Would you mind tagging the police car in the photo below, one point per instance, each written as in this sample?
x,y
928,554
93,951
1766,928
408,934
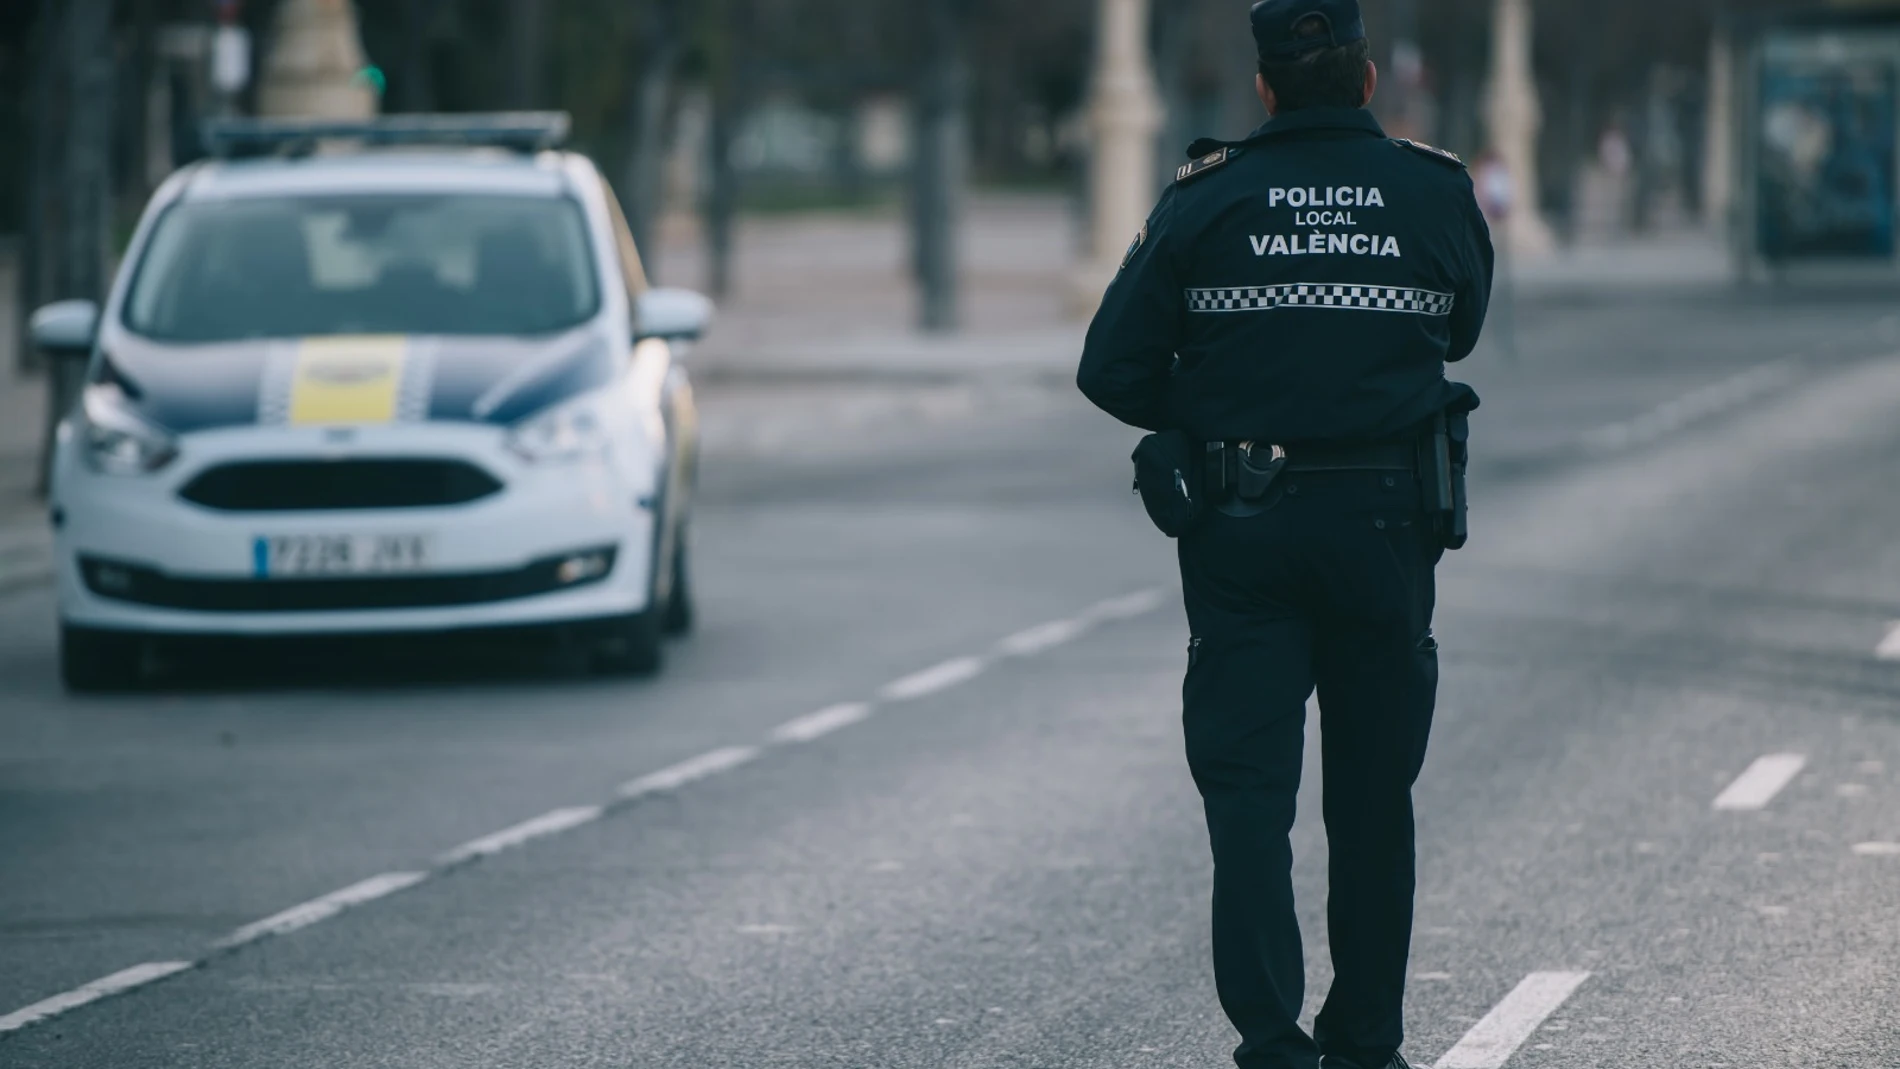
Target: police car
x,y
420,384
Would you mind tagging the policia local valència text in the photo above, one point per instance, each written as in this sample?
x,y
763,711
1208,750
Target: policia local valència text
x,y
1325,207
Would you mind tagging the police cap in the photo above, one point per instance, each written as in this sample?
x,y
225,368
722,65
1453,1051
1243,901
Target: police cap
x,y
1274,22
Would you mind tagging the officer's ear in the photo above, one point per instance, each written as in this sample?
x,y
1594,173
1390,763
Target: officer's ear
x,y
1266,94
1372,82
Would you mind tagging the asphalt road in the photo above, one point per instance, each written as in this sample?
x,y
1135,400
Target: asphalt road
x,y
1687,556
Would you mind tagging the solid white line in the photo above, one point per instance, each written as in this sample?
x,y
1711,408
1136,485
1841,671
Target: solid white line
x,y
1761,781
821,723
931,680
674,777
318,909
1889,648
1042,638
119,982
551,823
1129,606
1492,1041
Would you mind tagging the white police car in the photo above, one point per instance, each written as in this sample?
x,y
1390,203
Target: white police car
x,y
422,386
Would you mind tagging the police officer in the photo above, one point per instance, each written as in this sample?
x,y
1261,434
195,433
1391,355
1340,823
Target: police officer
x,y
1289,308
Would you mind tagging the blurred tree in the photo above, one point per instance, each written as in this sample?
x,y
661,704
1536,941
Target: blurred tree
x,y
651,99
938,162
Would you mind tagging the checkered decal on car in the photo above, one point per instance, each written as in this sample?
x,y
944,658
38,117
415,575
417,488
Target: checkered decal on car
x,y
1321,295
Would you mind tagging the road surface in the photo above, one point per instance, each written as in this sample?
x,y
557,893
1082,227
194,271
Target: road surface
x,y
914,795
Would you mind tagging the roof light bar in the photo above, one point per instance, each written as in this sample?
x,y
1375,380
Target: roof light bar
x,y
518,131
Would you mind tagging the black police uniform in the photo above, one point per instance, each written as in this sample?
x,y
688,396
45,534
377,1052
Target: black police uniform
x,y
1305,287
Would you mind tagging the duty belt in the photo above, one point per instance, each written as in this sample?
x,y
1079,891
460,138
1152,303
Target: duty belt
x,y
1246,469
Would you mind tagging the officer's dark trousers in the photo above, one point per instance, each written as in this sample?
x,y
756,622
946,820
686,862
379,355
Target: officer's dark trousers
x,y
1330,588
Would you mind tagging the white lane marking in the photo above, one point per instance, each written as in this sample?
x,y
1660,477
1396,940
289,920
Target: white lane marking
x,y
1129,606
767,929
551,823
104,987
1761,781
948,674
1042,638
1493,1040
931,680
821,723
1889,648
318,909
1877,849
674,777
1711,400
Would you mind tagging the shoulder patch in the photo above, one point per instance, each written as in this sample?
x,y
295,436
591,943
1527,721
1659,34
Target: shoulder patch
x,y
1140,240
1430,151
1203,164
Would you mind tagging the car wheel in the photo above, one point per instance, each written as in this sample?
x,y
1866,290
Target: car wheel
x,y
99,662
679,603
632,646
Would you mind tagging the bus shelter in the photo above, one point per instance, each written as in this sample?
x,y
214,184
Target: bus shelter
x,y
1817,127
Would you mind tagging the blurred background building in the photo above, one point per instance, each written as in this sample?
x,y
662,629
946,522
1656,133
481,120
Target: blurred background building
x,y
1766,121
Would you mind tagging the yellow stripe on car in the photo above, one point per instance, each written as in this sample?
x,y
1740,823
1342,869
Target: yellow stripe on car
x,y
353,379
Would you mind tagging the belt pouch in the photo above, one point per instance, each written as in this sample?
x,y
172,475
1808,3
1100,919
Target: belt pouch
x,y
1168,478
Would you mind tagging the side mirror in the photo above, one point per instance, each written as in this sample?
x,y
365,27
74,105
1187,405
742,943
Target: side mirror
x,y
65,330
673,315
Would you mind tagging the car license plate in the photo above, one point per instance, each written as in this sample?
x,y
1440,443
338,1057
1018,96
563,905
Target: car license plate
x,y
304,556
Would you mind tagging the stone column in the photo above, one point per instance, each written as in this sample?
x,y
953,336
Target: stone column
x,y
1515,116
315,63
1124,116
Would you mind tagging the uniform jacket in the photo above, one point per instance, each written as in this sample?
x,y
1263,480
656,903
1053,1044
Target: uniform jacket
x,y
1307,284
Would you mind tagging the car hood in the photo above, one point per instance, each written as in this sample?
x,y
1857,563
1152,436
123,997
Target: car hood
x,y
355,379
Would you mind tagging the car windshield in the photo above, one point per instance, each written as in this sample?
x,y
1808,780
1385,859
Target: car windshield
x,y
300,266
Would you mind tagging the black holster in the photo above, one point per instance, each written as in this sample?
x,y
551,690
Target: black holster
x,y
1446,454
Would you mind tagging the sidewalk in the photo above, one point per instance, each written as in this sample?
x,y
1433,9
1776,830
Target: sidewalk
x,y
24,535
828,296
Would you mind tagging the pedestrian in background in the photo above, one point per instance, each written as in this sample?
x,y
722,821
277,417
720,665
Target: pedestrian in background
x,y
1283,322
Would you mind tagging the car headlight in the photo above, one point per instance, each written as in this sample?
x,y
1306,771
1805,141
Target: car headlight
x,y
566,432
115,439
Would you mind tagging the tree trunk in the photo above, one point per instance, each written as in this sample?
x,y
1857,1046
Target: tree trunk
x,y
35,243
418,73
722,201
649,115
527,34
938,168
87,184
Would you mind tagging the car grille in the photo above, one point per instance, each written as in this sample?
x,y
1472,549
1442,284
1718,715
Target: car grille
x,y
148,586
295,485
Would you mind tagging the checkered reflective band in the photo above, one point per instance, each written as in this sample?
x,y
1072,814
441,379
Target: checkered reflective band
x,y
1321,295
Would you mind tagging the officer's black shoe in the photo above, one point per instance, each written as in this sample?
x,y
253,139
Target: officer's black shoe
x,y
1333,1061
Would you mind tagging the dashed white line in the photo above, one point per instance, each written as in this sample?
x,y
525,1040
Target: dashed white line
x,y
934,679
1129,606
1042,638
1761,781
1877,849
674,777
821,723
551,823
1706,402
804,729
106,986
1889,648
1493,1040
318,909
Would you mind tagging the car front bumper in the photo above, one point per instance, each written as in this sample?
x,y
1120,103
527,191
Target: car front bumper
x,y
133,555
